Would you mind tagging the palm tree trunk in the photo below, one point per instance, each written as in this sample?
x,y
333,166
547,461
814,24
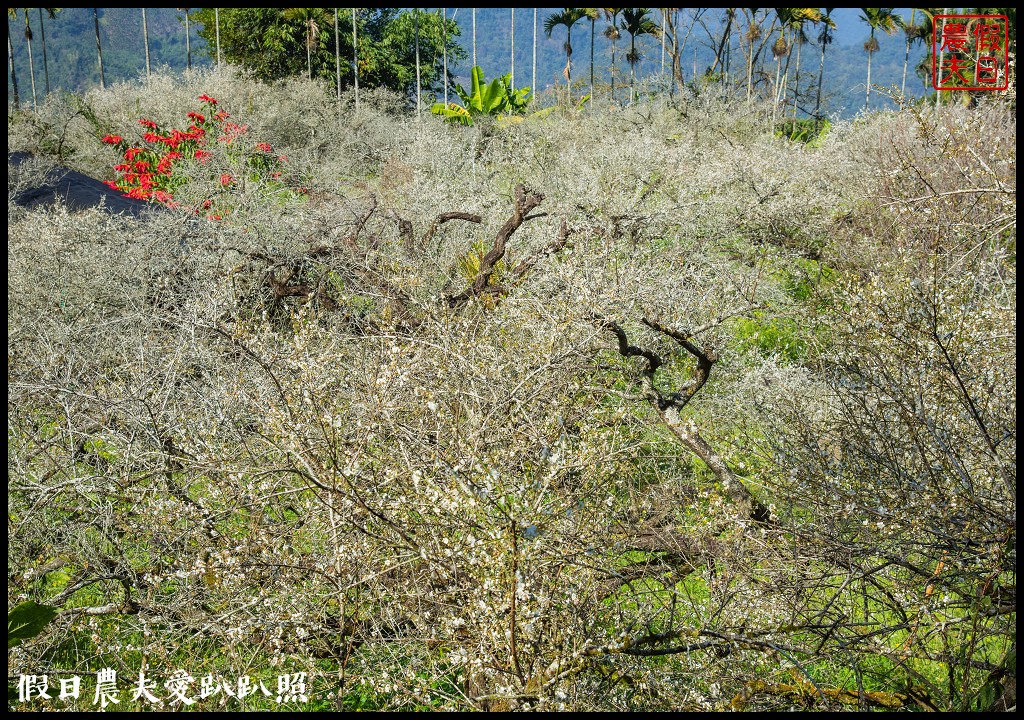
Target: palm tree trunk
x,y
784,97
728,53
534,85
10,61
677,54
662,11
593,35
216,22
474,37
785,79
31,63
42,37
512,35
355,62
444,50
309,54
906,59
867,92
337,60
821,76
778,78
188,42
145,40
796,88
750,70
416,24
99,48
750,56
632,69
568,67
613,67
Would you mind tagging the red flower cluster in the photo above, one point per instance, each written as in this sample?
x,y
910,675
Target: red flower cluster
x,y
147,172
232,131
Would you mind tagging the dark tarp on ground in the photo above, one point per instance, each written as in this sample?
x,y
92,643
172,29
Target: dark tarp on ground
x,y
76,191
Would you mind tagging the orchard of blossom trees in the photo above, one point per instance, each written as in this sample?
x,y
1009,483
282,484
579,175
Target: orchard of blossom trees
x,y
643,408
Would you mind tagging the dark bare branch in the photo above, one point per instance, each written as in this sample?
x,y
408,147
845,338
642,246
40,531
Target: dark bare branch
x,y
448,217
525,201
550,249
626,349
669,407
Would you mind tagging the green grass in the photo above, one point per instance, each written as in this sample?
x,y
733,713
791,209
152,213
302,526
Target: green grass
x,y
771,336
809,131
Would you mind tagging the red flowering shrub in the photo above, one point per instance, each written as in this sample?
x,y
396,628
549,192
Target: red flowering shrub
x,y
151,167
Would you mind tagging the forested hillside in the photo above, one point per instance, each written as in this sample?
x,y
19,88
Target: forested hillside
x,y
71,56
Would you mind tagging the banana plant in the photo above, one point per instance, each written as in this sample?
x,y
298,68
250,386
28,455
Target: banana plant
x,y
492,99
506,120
27,620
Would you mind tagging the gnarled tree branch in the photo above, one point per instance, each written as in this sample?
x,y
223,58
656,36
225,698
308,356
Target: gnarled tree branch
x,y
524,201
447,217
669,406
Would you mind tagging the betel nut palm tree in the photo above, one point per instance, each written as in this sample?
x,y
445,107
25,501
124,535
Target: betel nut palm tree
x,y
825,38
567,18
99,46
791,33
636,22
612,33
887,21
312,21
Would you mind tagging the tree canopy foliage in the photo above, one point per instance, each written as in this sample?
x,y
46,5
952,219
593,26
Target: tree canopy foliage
x,y
273,44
